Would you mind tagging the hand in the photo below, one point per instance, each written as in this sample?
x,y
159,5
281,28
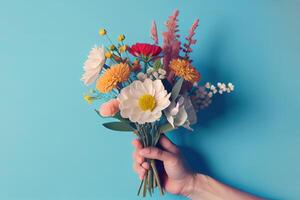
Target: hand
x,y
176,178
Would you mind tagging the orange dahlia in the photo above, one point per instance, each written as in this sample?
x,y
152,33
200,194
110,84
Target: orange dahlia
x,y
184,69
112,77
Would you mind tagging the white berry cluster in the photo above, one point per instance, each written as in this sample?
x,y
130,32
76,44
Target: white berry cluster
x,y
221,88
152,74
200,98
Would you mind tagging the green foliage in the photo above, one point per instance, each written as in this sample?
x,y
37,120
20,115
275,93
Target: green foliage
x,y
157,64
119,126
176,89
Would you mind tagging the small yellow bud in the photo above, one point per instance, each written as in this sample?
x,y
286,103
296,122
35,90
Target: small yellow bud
x,y
112,47
108,54
88,98
122,48
121,38
102,31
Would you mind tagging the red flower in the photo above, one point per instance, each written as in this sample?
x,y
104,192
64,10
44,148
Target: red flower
x,y
145,50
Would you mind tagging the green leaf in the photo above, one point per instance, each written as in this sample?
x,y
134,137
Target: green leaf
x,y
119,126
119,117
157,64
176,89
166,127
98,113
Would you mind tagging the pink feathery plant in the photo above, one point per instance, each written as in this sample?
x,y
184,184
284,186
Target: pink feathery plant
x,y
154,35
190,41
171,43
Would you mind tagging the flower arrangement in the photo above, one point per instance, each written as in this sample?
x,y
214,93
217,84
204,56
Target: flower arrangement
x,y
149,89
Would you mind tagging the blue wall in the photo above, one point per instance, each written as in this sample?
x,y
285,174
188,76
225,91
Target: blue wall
x,y
52,145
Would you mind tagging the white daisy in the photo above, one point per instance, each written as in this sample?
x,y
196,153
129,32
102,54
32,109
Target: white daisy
x,y
93,65
143,102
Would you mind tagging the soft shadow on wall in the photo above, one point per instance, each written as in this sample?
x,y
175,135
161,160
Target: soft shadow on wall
x,y
213,70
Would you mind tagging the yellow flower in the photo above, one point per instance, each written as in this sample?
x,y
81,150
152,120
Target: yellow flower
x,y
108,54
88,98
112,77
102,32
112,47
184,69
121,38
122,48
147,102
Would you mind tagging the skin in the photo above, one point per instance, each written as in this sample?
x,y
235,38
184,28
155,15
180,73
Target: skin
x,y
180,181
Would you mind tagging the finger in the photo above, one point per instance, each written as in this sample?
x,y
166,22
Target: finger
x,y
137,144
155,153
137,157
145,165
139,170
168,145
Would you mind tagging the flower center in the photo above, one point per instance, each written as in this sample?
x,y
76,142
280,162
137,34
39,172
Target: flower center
x,y
147,102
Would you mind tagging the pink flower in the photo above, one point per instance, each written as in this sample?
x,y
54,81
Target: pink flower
x,y
110,108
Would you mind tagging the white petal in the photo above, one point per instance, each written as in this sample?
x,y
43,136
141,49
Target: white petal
x,y
181,117
128,103
148,86
135,116
170,120
175,110
93,65
158,86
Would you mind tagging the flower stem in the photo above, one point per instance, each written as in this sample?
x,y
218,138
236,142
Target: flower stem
x,y
152,162
139,191
145,185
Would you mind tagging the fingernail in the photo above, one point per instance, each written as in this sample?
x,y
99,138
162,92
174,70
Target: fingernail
x,y
144,151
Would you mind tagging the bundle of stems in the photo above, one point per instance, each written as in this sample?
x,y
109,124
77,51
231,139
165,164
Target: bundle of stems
x,y
149,135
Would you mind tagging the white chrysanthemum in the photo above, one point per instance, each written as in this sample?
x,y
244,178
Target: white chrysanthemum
x,y
93,65
143,102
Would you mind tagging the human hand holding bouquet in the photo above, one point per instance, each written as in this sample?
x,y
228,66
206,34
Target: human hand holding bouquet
x,y
156,92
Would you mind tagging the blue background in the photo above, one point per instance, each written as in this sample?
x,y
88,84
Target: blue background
x,y
52,145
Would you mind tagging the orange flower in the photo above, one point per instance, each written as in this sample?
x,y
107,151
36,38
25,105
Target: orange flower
x,y
112,77
184,69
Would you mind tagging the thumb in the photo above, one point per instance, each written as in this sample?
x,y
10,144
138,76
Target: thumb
x,y
158,154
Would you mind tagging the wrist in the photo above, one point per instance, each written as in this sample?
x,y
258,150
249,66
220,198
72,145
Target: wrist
x,y
197,186
189,185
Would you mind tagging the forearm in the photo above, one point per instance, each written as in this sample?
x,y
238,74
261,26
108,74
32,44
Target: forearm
x,y
206,188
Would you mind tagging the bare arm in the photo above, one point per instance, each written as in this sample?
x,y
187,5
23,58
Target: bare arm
x,y
180,181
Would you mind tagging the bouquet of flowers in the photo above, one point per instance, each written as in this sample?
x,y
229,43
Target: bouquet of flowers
x,y
148,89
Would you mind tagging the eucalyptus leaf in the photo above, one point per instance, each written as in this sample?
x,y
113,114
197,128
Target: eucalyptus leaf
x,y
176,89
119,126
166,127
119,117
